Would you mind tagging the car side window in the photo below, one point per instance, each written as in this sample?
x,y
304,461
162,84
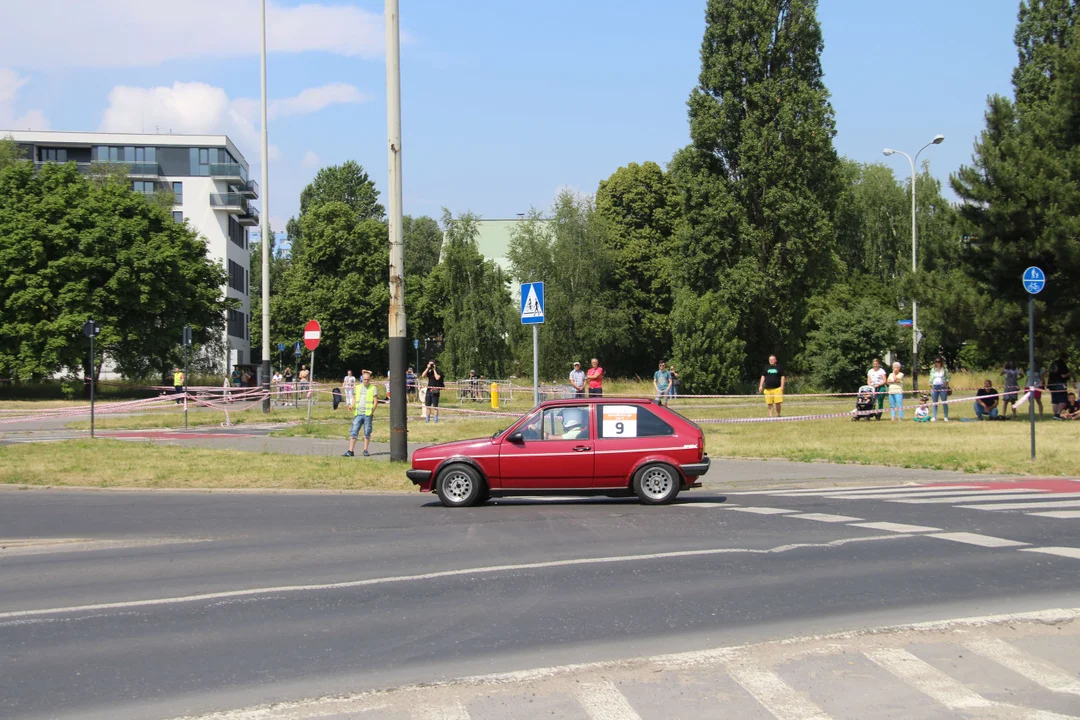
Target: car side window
x,y
631,421
566,423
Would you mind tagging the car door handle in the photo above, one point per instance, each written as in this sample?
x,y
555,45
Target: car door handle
x,y
582,448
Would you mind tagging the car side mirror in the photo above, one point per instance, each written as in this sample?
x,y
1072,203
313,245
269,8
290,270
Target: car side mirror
x,y
517,438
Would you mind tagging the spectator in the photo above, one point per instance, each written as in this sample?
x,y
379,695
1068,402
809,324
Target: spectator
x,y
986,402
275,384
305,375
349,384
875,378
410,382
367,399
661,383
595,375
896,393
939,387
1072,409
676,383
236,379
435,384
772,385
245,379
577,380
178,384
225,389
1036,386
1058,383
1012,387
922,413
474,386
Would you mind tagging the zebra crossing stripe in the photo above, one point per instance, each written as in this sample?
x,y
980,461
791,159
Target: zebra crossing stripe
x,y
985,498
932,494
775,695
603,701
1041,672
1024,506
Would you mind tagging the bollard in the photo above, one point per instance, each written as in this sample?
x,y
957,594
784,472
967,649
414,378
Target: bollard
x,y
494,396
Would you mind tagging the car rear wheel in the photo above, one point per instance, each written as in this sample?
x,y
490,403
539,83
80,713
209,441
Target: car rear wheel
x,y
460,486
656,484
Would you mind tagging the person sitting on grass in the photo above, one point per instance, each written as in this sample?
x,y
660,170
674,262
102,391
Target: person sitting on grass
x,y
986,402
1072,409
922,413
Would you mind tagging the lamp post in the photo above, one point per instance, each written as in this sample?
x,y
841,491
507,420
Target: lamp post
x,y
264,223
938,139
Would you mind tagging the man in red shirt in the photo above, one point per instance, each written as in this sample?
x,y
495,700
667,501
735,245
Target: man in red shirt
x,y
595,376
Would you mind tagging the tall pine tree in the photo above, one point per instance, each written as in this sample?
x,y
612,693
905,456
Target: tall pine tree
x,y
759,181
1021,192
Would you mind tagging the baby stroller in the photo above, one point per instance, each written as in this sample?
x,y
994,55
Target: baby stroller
x,y
864,403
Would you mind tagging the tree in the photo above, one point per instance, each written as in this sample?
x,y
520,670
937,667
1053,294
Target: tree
x,y
708,353
75,250
638,207
422,241
346,183
759,181
873,222
478,306
1020,192
10,152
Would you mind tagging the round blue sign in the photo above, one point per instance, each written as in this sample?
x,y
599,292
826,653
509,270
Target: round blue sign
x,y
1034,280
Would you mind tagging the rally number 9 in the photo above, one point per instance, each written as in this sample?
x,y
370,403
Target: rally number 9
x,y
619,428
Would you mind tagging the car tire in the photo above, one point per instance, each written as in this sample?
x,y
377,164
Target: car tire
x,y
657,484
460,485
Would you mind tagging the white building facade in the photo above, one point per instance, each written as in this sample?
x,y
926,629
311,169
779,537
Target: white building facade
x,y
212,191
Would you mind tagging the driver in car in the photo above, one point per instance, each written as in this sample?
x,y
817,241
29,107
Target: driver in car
x,y
575,423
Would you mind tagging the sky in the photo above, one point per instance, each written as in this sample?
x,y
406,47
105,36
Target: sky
x,y
504,103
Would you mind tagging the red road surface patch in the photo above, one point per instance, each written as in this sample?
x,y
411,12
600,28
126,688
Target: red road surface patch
x,y
169,435
1046,485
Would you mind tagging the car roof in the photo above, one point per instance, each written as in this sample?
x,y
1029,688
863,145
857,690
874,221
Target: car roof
x,y
597,401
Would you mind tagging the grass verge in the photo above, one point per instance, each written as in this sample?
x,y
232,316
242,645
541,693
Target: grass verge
x,y
120,464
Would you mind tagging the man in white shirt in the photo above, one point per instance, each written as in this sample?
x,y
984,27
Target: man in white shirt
x,y
577,380
875,378
349,384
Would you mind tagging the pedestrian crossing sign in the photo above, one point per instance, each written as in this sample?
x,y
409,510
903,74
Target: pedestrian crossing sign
x,y
532,303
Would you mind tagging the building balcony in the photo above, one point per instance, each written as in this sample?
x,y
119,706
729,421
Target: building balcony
x,y
229,202
84,168
249,189
131,169
249,218
233,172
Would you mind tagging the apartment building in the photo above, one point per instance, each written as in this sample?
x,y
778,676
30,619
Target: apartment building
x,y
208,177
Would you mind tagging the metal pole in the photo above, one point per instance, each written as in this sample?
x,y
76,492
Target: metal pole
x,y
91,385
264,225
914,303
1031,370
185,384
536,365
311,386
399,353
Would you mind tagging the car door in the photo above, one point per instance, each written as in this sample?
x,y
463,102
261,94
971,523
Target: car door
x,y
625,434
551,454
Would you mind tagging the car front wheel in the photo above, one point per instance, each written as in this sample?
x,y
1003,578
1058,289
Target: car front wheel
x,y
460,486
656,484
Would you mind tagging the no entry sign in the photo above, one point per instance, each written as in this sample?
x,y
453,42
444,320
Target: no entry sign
x,y
312,333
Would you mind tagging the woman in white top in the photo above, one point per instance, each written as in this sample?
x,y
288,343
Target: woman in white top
x,y
896,392
875,378
939,386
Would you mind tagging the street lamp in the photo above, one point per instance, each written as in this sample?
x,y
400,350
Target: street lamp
x,y
938,139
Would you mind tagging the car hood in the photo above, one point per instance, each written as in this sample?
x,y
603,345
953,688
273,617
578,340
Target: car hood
x,y
458,447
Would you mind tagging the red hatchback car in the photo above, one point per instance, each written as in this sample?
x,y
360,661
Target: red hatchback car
x,y
597,446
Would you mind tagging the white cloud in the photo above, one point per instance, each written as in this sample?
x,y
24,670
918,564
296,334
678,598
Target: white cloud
x,y
134,33
311,160
10,83
196,107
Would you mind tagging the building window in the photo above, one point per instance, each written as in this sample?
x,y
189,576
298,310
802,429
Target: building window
x,y
54,155
143,186
237,323
178,193
145,154
237,279
237,233
178,216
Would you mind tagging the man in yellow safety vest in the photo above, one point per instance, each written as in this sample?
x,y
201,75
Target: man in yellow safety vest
x,y
178,383
364,403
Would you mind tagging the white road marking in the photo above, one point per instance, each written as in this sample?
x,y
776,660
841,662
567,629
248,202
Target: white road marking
x,y
1024,506
1039,671
927,679
482,570
826,517
775,695
959,494
704,505
811,491
1064,514
976,539
1060,551
603,701
990,497
896,527
763,510
441,712
904,490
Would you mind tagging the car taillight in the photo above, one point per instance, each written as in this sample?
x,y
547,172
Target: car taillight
x,y
700,447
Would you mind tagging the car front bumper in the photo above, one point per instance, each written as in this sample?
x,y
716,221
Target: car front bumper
x,y
696,469
418,477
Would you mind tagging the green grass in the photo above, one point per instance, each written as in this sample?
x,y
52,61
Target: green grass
x,y
119,464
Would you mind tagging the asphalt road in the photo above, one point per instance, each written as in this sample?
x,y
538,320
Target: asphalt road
x,y
154,605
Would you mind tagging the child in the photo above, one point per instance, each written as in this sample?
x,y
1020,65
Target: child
x,y
922,413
